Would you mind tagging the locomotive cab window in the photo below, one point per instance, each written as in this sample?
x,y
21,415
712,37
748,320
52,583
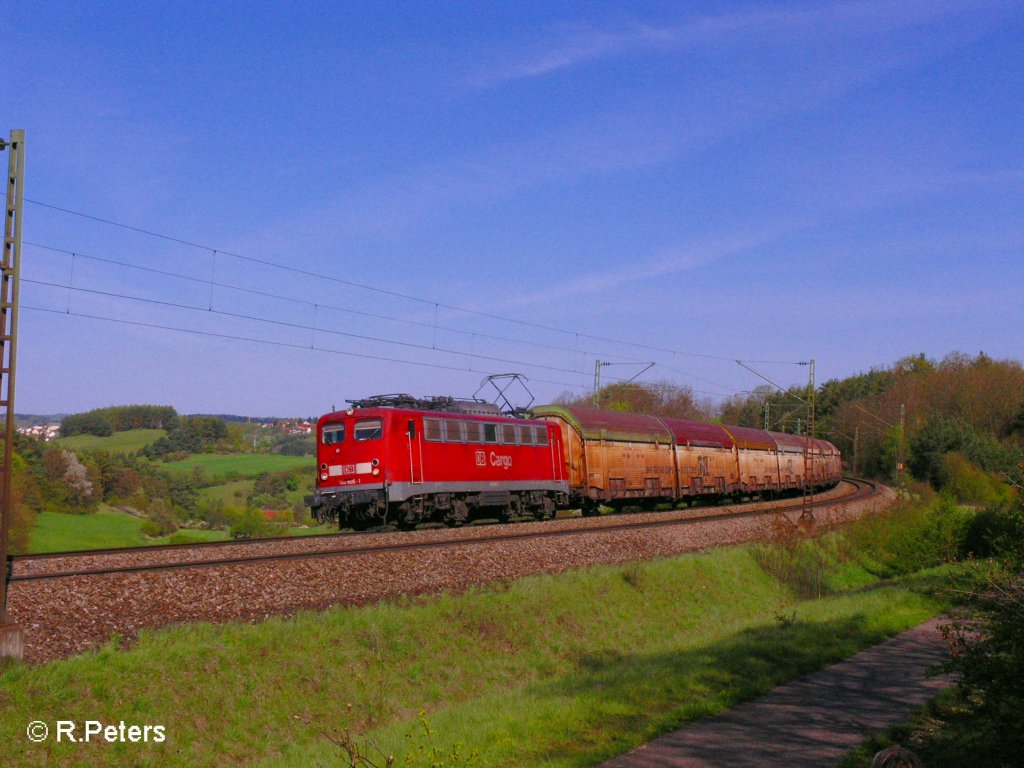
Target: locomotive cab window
x,y
368,429
333,433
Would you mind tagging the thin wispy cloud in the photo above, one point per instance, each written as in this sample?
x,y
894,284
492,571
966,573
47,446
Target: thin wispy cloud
x,y
570,46
672,262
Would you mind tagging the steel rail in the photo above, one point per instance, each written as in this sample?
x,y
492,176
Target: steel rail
x,y
862,489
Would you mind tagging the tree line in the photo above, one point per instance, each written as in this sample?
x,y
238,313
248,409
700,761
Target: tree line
x,y
103,422
961,416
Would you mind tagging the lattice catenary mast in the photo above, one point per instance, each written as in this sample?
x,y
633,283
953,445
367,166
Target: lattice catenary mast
x,y
11,638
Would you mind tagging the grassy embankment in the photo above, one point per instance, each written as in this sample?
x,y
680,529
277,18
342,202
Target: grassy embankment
x,y
549,670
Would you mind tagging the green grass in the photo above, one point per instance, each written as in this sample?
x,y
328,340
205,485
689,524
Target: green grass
x,y
192,536
107,528
232,492
120,442
57,532
313,530
221,466
548,670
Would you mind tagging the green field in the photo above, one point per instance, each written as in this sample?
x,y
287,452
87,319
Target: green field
x,y
220,466
120,442
232,492
57,532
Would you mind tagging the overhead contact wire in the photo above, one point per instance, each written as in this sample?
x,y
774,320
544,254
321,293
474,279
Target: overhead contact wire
x,y
363,286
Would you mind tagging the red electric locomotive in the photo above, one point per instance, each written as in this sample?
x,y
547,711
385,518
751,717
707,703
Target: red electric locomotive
x,y
396,459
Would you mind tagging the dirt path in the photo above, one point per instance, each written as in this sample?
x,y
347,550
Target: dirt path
x,y
812,721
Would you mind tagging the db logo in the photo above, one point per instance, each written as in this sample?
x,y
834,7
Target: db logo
x,y
481,458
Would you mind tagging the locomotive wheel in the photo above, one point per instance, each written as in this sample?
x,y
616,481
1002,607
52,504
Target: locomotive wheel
x,y
406,519
458,514
546,510
514,509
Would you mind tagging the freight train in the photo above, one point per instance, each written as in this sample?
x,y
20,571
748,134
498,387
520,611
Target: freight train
x,y
398,460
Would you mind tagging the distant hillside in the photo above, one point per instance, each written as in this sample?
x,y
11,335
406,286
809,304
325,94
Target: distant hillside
x,y
254,419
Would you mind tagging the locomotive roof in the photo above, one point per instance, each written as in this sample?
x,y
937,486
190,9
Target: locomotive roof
x,y
596,424
441,403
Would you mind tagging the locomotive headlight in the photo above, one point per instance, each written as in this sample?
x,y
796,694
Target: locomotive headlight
x,y
375,462
375,471
323,475
323,467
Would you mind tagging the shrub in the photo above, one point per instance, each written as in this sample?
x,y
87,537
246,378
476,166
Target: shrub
x,y
990,532
800,564
988,656
215,513
163,520
969,484
249,523
921,533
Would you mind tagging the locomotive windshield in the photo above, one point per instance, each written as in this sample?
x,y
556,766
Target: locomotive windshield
x,y
334,433
368,429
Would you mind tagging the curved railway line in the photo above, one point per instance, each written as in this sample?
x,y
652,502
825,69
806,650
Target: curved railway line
x,y
177,556
68,603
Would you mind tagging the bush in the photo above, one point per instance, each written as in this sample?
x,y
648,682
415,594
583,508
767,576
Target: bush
x,y
163,520
931,537
969,484
215,514
250,523
988,656
802,565
990,532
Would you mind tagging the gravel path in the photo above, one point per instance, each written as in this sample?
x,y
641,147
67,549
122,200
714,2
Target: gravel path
x,y
67,615
812,721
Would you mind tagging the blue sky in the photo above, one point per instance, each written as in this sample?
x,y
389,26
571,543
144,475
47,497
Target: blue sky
x,y
682,183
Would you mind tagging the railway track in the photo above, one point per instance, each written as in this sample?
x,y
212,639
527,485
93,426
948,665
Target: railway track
x,y
26,568
68,604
